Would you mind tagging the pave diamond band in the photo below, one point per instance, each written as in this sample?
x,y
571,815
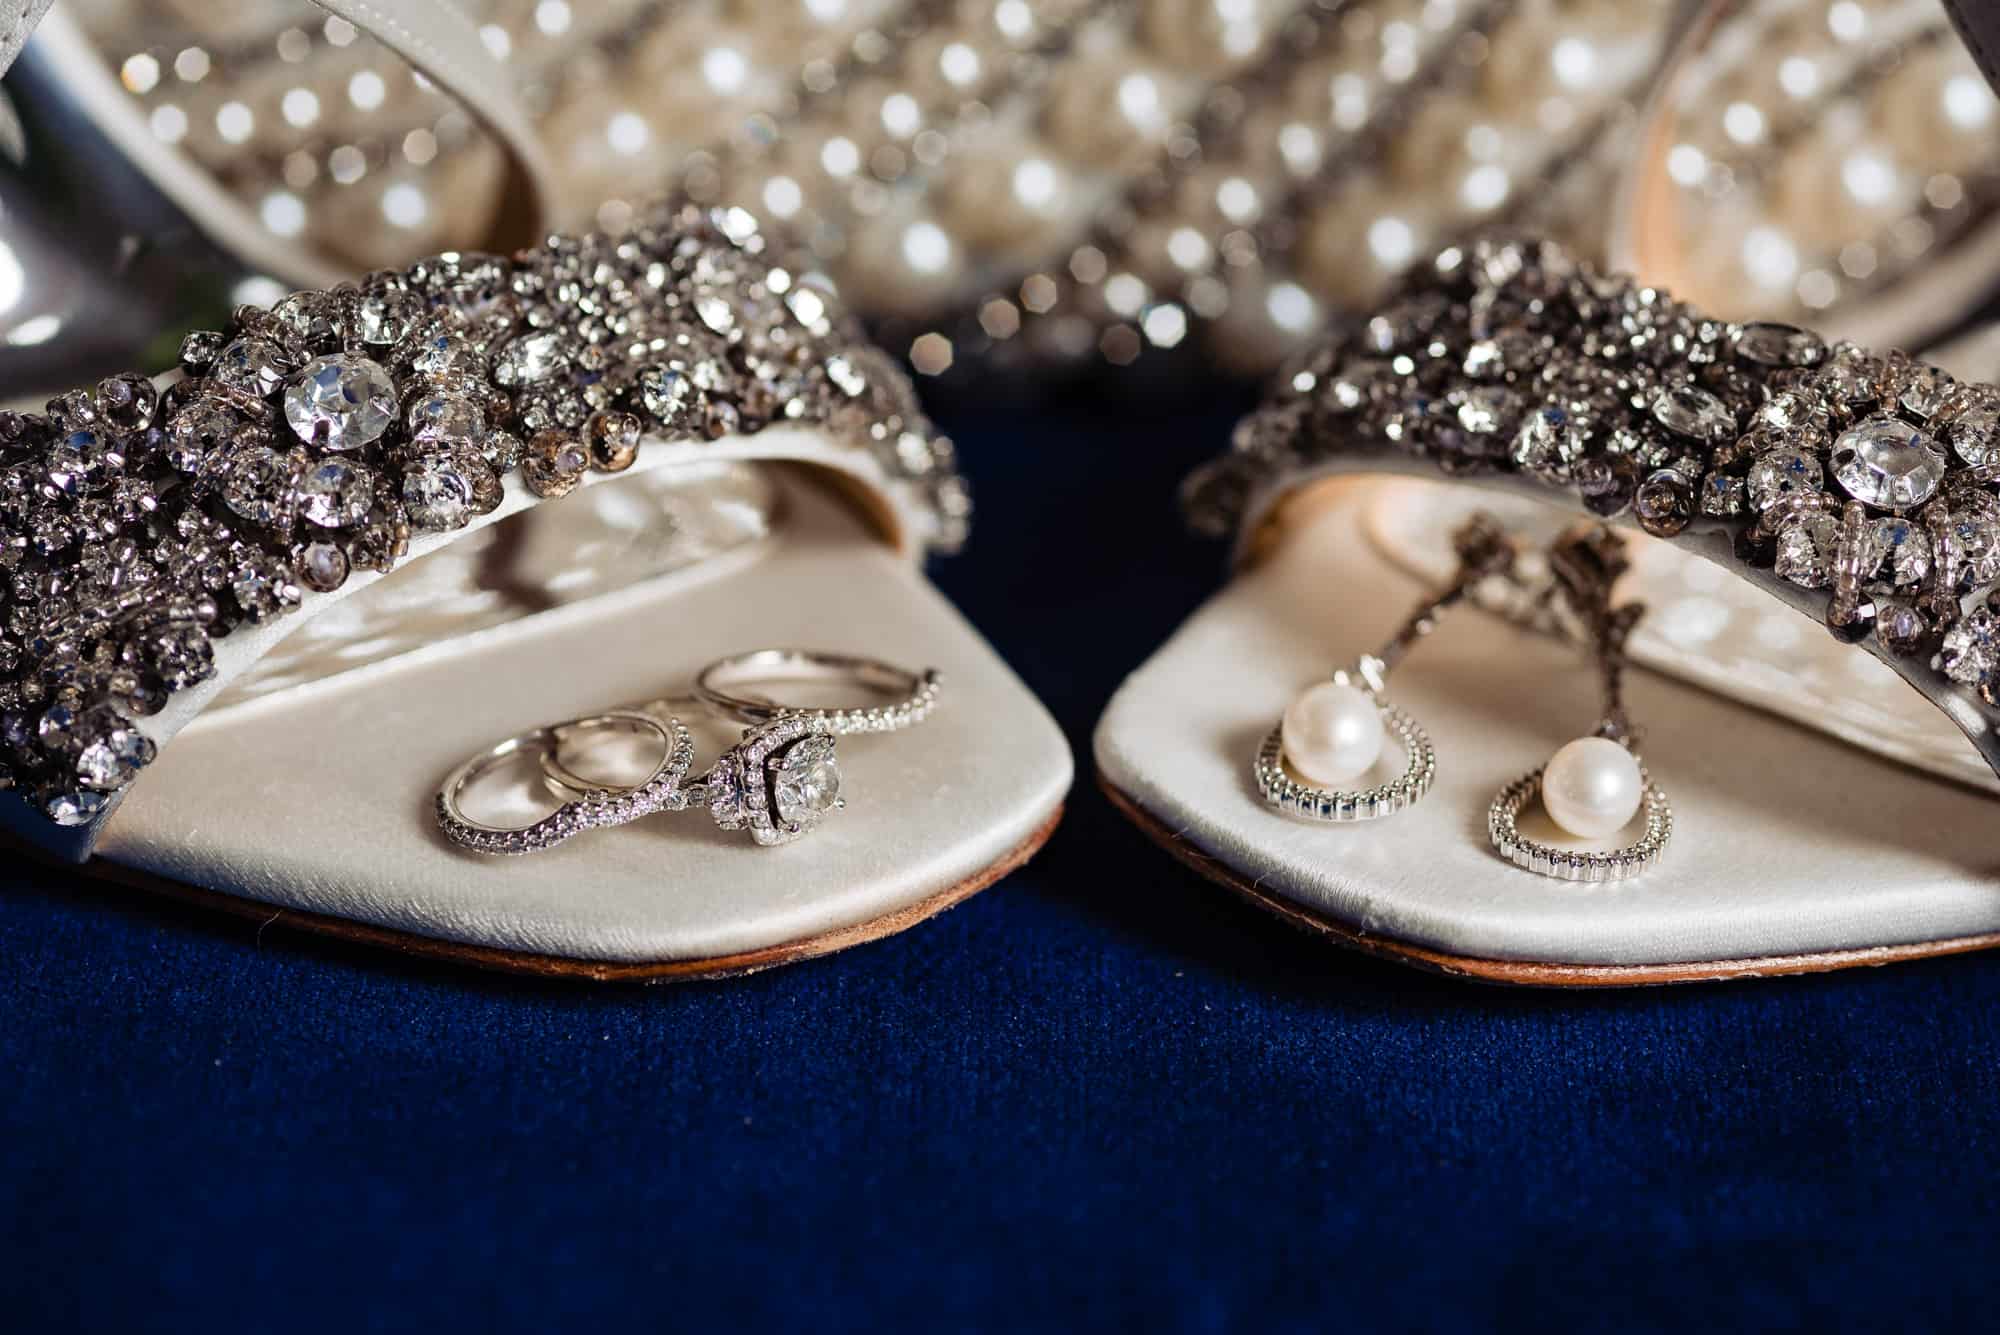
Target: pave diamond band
x,y
914,694
310,442
1858,488
588,809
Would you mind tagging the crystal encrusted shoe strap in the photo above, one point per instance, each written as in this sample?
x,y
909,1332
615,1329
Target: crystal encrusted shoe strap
x,y
312,440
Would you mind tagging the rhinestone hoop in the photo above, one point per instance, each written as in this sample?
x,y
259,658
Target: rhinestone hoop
x,y
1568,864
1310,802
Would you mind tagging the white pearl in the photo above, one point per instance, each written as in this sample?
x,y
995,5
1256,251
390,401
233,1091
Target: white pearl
x,y
1592,787
1332,733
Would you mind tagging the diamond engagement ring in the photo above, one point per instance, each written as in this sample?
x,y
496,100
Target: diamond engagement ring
x,y
782,777
777,782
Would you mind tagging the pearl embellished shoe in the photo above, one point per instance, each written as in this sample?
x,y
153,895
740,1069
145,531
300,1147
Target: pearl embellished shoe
x,y
1822,641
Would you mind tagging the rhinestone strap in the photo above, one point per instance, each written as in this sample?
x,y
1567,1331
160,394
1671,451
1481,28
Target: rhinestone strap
x,y
312,440
1856,487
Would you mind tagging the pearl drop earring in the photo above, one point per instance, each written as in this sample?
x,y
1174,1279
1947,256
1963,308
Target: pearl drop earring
x,y
1334,731
1593,786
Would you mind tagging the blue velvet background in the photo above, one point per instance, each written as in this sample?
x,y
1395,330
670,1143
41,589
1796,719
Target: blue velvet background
x,y
1103,1092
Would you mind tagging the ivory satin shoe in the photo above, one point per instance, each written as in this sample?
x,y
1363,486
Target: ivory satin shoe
x,y
257,617
1815,535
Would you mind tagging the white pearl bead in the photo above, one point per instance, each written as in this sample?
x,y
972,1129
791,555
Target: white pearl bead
x,y
1332,733
1592,787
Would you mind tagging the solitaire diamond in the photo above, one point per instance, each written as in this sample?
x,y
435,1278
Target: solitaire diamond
x,y
807,783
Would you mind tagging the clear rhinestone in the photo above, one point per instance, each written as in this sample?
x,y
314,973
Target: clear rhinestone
x,y
335,494
1923,390
445,357
807,783
1887,463
437,493
447,419
530,359
1971,648
1974,430
668,394
114,759
1973,537
251,366
383,314
263,589
1805,551
258,485
341,402
1770,344
1793,417
1783,473
74,808
197,433
180,654
1550,442
82,461
1694,413
1897,555
1852,376
1722,495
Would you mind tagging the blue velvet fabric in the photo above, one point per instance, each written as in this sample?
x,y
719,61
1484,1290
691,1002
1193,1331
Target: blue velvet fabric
x,y
1102,1093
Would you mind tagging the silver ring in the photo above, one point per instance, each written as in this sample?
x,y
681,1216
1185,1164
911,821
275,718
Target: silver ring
x,y
587,807
916,692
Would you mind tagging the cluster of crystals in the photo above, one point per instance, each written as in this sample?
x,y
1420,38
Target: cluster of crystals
x,y
1821,150
1288,794
310,440
1870,477
1572,864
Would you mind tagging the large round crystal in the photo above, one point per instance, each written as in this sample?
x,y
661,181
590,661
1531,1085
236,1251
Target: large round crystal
x,y
340,402
1887,463
807,783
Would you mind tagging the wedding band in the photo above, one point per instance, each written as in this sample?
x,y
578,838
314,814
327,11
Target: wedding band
x,y
590,807
916,692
